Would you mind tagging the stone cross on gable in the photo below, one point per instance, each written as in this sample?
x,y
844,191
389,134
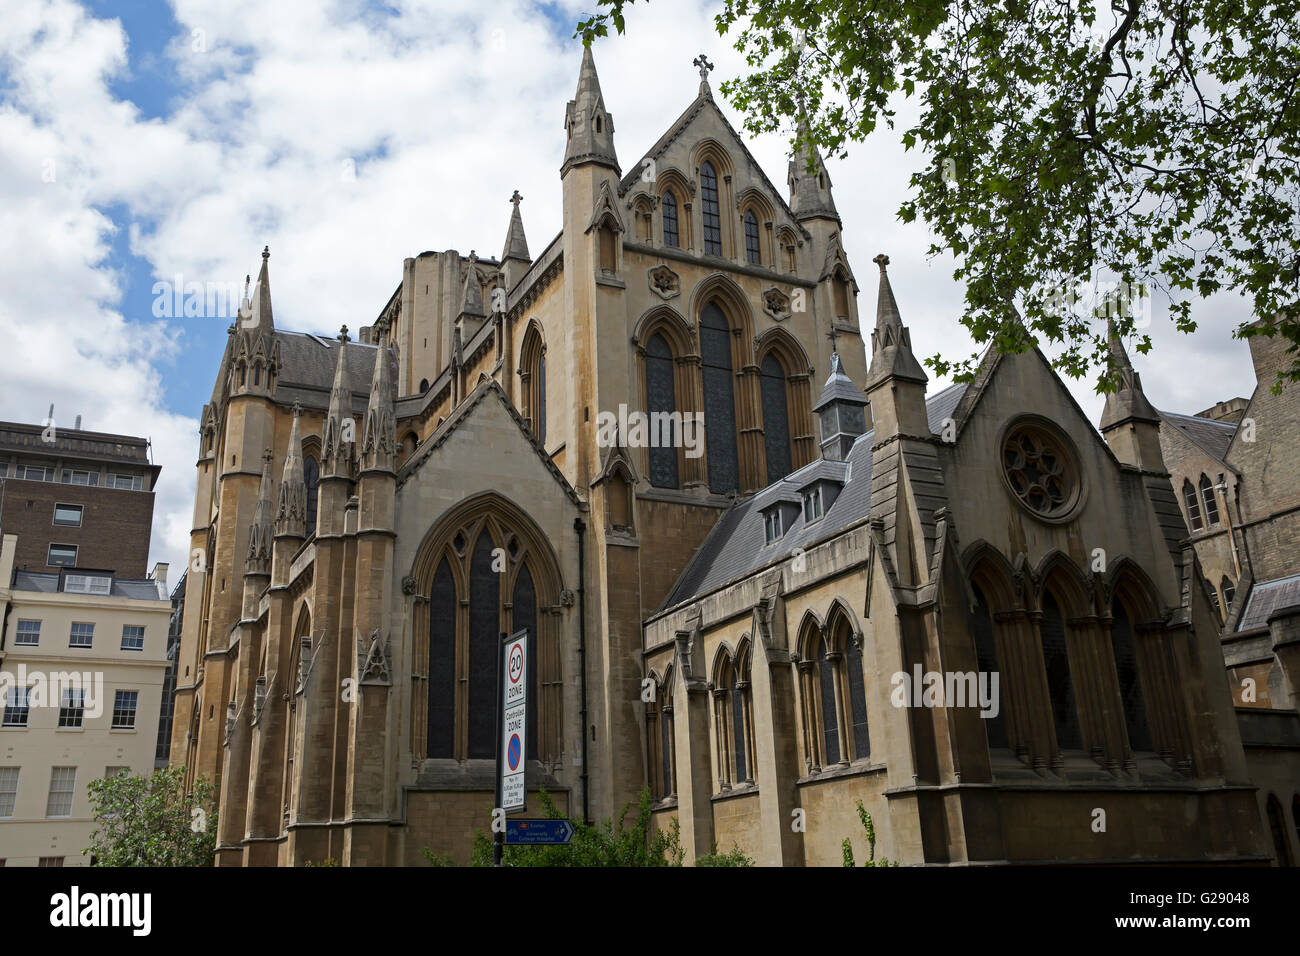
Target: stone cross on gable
x,y
705,66
516,198
343,335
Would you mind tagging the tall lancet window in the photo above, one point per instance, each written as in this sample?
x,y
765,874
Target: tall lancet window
x,y
1130,679
670,219
719,401
752,253
661,399
311,476
442,665
712,217
776,419
1056,659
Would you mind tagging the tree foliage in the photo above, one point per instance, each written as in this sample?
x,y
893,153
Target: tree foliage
x,y
152,821
1078,154
846,848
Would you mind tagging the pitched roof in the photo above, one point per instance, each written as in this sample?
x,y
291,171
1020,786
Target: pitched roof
x,y
47,582
307,364
1267,597
1213,436
737,545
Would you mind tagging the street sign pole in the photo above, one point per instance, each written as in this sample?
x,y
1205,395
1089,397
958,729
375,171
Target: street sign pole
x,y
499,836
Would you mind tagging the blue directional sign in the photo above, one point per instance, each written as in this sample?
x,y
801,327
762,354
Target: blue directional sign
x,y
538,831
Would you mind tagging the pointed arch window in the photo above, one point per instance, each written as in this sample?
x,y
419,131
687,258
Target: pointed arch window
x,y
311,478
986,657
776,418
752,253
661,400
670,219
829,725
710,209
659,737
1193,509
1130,680
1229,591
1060,688
733,722
857,712
485,583
1210,502
532,381
840,290
719,401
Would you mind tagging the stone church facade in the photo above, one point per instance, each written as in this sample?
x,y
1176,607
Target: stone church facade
x,y
721,612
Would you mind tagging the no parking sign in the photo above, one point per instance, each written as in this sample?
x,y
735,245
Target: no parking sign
x,y
514,730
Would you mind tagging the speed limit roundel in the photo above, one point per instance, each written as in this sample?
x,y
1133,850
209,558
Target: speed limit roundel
x,y
516,663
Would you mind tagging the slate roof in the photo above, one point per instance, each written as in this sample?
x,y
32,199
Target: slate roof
x,y
307,364
736,547
1214,437
1267,597
47,582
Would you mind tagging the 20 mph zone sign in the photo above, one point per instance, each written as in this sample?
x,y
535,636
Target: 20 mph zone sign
x,y
514,722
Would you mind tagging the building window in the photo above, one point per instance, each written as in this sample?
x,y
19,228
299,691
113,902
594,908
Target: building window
x,y
712,219
608,250
8,790
29,633
132,637
532,377
986,659
661,399
832,689
772,522
776,418
1208,499
659,737
1040,470
1278,830
72,476
1193,509
751,239
67,516
478,591
311,478
72,708
17,702
63,781
812,503
1130,680
126,482
1060,688
87,584
51,861
670,219
34,472
1229,592
733,723
82,634
62,556
719,403
124,706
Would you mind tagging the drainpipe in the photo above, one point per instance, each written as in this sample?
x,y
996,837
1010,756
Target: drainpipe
x,y
580,526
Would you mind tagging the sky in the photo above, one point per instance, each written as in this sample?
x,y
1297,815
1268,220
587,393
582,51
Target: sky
x,y
148,141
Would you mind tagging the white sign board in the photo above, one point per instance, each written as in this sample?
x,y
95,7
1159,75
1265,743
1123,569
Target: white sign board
x,y
514,722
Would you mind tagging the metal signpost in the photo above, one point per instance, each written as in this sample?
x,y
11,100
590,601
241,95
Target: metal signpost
x,y
512,730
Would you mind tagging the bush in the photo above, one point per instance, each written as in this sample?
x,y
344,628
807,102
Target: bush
x,y
152,821
846,848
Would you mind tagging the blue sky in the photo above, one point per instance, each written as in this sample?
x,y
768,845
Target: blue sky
x,y
147,139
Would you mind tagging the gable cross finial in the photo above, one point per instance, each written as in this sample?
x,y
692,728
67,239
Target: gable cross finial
x,y
343,334
831,335
705,66
516,198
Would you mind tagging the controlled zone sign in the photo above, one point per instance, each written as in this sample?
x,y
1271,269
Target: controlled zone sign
x,y
514,719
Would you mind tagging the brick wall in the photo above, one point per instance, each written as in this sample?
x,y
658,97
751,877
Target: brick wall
x,y
114,532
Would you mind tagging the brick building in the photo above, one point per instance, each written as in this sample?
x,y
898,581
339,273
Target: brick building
x,y
76,499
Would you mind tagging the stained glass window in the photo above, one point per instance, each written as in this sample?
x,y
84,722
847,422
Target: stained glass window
x,y
776,419
1130,681
484,643
719,403
660,398
311,476
712,219
857,701
670,219
442,664
830,722
1056,659
751,239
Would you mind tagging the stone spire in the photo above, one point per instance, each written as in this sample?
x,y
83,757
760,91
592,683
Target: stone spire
x,y
471,300
588,125
339,439
260,301
379,443
1128,402
842,411
291,504
260,535
891,343
810,192
516,245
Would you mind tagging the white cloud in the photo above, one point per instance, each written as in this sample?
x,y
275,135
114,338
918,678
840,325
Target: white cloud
x,y
443,112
